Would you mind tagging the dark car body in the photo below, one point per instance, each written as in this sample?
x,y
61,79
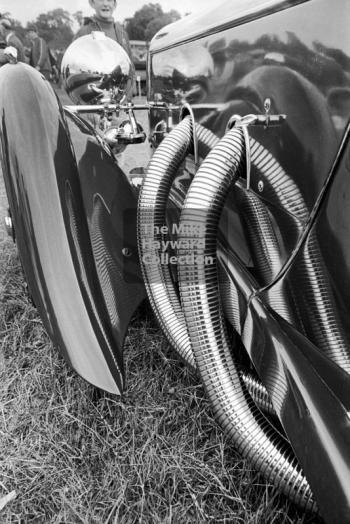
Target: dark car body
x,y
280,228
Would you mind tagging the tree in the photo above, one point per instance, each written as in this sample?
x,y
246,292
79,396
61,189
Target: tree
x,y
148,20
15,25
55,27
79,17
18,29
157,23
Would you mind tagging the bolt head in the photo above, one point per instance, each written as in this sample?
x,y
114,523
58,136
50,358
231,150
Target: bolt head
x,y
267,105
260,186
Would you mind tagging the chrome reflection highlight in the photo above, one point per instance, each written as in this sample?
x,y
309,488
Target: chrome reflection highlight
x,y
96,69
189,69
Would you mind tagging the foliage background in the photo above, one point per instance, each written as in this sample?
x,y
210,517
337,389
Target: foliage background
x,y
57,26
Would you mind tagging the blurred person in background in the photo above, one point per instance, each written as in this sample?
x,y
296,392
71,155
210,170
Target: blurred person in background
x,y
2,41
10,39
39,53
103,20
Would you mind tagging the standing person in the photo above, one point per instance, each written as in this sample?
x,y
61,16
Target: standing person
x,y
39,54
11,39
3,59
103,20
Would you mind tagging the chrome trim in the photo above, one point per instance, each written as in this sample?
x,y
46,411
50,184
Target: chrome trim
x,y
185,26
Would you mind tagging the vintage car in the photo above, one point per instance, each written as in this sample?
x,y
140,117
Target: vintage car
x,y
237,229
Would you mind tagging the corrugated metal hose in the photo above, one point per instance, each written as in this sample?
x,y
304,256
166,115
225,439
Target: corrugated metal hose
x,y
195,327
159,284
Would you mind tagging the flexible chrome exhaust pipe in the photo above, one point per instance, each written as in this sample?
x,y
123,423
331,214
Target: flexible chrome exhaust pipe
x,y
283,191
310,283
267,253
255,438
200,298
151,218
160,287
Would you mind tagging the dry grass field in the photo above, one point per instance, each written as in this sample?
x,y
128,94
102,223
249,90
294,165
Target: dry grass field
x,y
70,453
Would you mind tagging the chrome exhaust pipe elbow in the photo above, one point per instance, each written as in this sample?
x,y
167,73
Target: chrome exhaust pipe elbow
x,y
309,279
200,299
152,218
160,287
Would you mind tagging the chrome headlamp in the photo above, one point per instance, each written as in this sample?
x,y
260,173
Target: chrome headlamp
x,y
96,69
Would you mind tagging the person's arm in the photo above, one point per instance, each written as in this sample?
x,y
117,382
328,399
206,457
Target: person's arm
x,y
85,29
123,39
3,57
34,53
16,42
42,53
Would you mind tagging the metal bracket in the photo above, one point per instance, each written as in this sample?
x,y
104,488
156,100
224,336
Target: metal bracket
x,y
266,120
185,110
244,122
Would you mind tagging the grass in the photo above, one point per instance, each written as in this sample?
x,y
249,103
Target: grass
x,y
74,454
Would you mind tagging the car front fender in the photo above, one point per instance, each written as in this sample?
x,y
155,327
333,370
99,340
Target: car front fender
x,y
53,237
